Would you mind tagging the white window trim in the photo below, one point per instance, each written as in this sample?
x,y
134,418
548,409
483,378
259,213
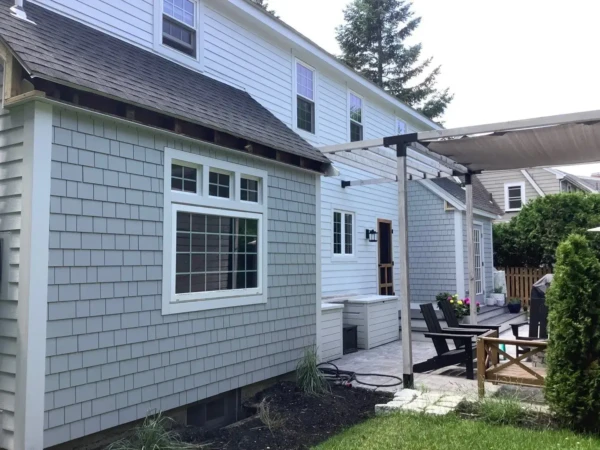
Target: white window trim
x,y
194,62
520,184
344,256
202,203
362,113
315,100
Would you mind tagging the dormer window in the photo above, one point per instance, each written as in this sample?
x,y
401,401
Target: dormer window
x,y
179,25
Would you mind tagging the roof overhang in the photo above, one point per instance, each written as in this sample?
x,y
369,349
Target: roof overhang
x,y
545,141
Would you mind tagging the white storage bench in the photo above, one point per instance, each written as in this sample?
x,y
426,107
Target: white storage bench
x,y
376,317
331,331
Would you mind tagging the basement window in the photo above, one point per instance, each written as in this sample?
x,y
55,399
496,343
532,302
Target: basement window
x,y
179,25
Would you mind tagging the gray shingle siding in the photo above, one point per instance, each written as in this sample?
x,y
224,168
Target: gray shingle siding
x,y
11,187
112,356
431,245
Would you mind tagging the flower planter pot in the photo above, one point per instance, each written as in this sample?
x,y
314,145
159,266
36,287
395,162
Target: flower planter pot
x,y
514,308
495,299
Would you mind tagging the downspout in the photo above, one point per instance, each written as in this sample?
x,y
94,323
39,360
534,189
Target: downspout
x,y
18,11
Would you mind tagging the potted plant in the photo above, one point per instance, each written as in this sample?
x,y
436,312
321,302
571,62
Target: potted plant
x,y
461,307
496,297
514,305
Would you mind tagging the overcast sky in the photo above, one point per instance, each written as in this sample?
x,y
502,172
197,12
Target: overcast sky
x,y
503,59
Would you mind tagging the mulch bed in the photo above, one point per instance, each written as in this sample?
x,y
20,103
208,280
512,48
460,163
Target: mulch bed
x,y
302,421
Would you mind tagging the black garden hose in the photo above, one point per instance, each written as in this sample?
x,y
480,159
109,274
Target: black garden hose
x,y
346,377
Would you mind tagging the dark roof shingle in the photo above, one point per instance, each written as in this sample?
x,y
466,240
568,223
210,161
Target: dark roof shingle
x,y
482,199
67,52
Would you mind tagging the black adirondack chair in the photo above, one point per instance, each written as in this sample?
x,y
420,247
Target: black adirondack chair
x,y
538,314
452,322
446,357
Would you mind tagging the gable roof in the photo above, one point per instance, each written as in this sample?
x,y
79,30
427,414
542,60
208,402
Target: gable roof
x,y
67,52
482,199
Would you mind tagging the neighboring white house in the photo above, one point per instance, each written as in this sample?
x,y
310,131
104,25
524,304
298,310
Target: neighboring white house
x,y
513,188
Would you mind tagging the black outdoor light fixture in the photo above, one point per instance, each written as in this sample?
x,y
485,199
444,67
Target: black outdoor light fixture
x,y
371,235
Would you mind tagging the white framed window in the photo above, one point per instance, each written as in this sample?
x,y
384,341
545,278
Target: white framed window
x,y
305,97
179,21
343,233
214,245
356,116
514,196
400,127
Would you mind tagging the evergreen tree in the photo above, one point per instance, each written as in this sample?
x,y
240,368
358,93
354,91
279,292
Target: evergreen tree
x,y
372,40
265,5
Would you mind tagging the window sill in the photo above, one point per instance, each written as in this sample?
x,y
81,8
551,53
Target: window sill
x,y
344,258
513,210
175,307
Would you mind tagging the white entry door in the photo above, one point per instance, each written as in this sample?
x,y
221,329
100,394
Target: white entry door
x,y
478,257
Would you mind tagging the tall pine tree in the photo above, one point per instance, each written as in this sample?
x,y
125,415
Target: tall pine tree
x,y
372,40
265,5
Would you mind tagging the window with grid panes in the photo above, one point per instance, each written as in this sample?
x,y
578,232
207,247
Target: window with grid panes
x,y
215,253
219,184
305,98
249,190
179,25
343,233
184,178
214,235
356,113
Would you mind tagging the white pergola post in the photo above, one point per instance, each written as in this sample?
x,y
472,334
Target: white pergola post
x,y
470,250
407,365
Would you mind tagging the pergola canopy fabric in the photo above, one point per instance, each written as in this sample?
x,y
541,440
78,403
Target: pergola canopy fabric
x,y
555,145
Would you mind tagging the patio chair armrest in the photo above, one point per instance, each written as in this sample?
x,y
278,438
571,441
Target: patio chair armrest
x,y
463,337
459,331
480,327
515,328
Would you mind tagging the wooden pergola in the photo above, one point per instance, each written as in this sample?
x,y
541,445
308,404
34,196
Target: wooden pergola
x,y
545,141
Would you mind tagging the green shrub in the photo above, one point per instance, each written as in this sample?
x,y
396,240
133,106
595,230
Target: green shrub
x,y
573,355
309,377
153,434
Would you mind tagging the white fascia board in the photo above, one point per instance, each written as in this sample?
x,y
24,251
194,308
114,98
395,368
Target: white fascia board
x,y
535,186
32,303
458,205
279,29
559,174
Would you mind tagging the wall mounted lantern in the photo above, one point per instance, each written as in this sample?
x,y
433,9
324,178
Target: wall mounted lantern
x,y
371,235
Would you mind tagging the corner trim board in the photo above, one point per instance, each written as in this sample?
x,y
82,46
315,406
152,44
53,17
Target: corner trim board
x,y
33,277
459,256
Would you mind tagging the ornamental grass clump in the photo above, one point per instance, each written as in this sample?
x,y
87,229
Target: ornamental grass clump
x,y
573,355
310,379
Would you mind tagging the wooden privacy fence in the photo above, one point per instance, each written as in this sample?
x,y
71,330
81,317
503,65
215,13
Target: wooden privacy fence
x,y
520,279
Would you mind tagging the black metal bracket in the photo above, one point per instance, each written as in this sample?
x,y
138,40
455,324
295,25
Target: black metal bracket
x,y
401,150
401,139
345,184
408,380
468,179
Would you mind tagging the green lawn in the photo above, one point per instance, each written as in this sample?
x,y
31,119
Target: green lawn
x,y
417,431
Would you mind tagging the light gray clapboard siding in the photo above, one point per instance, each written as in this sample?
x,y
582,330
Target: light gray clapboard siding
x,y
431,245
131,20
358,274
239,56
11,165
111,355
547,181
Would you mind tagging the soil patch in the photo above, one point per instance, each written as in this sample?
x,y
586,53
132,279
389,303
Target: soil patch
x,y
298,421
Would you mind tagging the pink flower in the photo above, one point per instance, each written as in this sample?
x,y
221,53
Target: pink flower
x,y
467,301
478,303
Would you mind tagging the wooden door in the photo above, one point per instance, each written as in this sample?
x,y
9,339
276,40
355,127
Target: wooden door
x,y
385,257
